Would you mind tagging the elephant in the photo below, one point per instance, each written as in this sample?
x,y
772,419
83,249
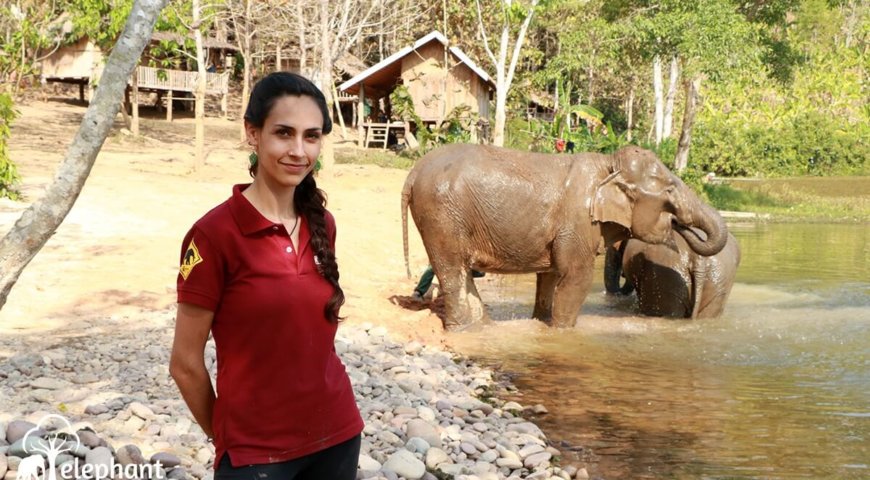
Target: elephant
x,y
30,468
499,210
671,280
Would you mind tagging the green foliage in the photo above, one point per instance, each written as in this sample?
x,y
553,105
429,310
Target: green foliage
x,y
456,127
666,150
817,124
101,20
27,29
803,199
9,178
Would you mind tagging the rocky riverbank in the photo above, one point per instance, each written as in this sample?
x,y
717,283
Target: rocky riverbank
x,y
428,413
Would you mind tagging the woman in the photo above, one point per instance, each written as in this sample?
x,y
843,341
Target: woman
x,y
259,272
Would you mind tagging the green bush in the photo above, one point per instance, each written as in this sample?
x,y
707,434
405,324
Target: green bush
x,y
810,144
9,178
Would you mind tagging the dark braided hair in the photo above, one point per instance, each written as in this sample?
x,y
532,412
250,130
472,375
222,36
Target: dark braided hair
x,y
308,200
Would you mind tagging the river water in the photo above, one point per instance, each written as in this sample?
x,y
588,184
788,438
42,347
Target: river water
x,y
777,387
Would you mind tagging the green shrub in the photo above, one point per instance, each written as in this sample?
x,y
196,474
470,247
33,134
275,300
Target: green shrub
x,y
9,178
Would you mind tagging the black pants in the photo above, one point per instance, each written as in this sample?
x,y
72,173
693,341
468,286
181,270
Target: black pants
x,y
334,463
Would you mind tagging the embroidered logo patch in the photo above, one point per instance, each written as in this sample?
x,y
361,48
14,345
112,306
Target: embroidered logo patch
x,y
191,259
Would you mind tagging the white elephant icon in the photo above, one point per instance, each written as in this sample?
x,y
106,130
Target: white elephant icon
x,y
30,467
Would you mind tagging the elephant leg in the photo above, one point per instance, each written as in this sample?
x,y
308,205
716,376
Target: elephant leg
x,y
546,285
462,303
570,293
472,299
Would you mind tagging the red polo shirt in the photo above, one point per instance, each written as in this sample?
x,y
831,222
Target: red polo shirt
x,y
282,391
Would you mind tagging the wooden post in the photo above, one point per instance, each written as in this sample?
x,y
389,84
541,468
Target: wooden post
x,y
361,115
82,92
169,106
225,88
353,116
125,115
135,126
337,105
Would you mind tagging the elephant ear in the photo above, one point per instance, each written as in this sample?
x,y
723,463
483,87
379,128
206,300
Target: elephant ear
x,y
611,203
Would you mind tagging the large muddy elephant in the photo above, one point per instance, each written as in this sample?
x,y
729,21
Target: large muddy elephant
x,y
671,280
504,211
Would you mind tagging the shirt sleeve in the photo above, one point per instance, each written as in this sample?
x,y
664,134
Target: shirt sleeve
x,y
201,271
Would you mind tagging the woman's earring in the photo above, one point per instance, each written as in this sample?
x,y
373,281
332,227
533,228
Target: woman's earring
x,y
317,165
253,158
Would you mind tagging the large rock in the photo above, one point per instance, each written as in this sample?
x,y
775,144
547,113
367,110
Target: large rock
x,y
526,427
167,460
405,464
368,464
423,429
418,445
18,428
131,455
26,362
100,456
48,383
89,438
537,459
26,447
436,457
141,411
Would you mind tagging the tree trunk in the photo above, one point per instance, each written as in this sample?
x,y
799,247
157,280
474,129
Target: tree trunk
x,y
246,71
629,114
135,125
669,102
327,154
303,55
505,72
693,99
199,92
40,220
500,115
659,100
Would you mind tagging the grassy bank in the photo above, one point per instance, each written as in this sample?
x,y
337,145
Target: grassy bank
x,y
800,199
803,199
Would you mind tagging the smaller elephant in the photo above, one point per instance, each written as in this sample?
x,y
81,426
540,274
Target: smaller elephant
x,y
670,279
30,468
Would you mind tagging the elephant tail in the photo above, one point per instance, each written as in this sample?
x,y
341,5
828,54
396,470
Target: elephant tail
x,y
406,200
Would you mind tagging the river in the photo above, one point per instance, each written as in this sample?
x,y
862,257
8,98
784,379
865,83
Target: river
x,y
777,387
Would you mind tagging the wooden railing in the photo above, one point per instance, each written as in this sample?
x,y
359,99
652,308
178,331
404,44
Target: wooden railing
x,y
182,81
346,97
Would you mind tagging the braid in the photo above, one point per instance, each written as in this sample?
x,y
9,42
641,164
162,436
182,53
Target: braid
x,y
310,202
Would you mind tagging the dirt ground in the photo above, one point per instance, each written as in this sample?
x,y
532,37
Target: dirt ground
x,y
116,254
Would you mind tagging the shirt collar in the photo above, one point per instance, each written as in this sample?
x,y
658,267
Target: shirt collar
x,y
248,218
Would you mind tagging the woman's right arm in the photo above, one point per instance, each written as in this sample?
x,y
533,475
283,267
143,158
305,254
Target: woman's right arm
x,y
187,363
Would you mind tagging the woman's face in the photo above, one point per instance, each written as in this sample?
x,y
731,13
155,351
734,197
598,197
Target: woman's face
x,y
289,142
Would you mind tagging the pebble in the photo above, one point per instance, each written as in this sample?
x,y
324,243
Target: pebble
x,y
17,429
423,417
405,464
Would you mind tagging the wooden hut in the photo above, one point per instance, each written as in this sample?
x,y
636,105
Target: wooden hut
x,y
75,63
82,63
438,76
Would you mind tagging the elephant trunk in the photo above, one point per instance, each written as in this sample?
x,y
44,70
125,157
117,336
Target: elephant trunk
x,y
708,220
